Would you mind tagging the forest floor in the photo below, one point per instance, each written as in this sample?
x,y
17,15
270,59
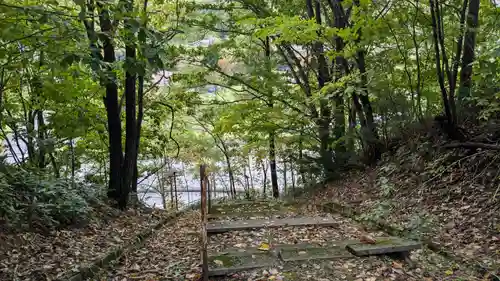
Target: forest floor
x,y
173,251
448,196
174,254
52,255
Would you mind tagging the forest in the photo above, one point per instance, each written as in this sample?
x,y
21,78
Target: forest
x,y
386,110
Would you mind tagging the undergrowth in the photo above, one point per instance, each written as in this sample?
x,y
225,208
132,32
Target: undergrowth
x,y
33,200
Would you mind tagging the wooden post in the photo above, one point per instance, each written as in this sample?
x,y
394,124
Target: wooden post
x,y
204,242
213,185
176,195
209,189
171,192
293,180
284,176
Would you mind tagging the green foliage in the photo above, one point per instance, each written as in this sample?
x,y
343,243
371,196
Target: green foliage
x,y
381,211
28,198
385,186
50,63
419,224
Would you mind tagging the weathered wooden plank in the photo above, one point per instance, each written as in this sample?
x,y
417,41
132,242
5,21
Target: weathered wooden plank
x,y
383,246
326,256
229,270
235,251
230,263
221,227
311,252
247,214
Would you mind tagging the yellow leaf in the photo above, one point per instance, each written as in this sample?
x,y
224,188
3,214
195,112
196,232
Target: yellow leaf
x,y
219,262
264,246
272,277
448,272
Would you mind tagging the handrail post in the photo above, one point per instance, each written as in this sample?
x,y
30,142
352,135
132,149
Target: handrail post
x,y
204,242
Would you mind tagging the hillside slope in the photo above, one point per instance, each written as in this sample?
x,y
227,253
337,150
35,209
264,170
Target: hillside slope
x,y
429,190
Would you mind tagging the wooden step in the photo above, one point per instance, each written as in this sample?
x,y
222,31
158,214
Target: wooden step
x,y
221,227
241,261
383,246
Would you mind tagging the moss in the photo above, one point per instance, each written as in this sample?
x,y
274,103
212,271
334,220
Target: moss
x,y
227,261
385,241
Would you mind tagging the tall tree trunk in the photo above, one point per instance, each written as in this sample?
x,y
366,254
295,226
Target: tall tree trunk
x,y
250,172
292,170
435,32
140,116
174,179
213,184
41,139
172,200
469,46
38,89
247,184
272,164
130,110
417,57
323,77
112,110
301,162
272,134
374,151
352,128
232,186
264,173
339,64
140,107
284,177
73,160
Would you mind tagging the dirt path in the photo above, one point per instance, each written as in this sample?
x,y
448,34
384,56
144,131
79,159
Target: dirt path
x,y
173,254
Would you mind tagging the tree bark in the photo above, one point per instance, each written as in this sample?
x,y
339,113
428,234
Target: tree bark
x,y
112,111
469,46
272,134
439,71
323,77
284,177
373,142
73,160
250,172
140,110
272,164
231,175
374,152
264,172
130,110
339,64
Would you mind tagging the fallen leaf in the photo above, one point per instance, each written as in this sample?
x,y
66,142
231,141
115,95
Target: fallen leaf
x,y
367,239
397,265
264,247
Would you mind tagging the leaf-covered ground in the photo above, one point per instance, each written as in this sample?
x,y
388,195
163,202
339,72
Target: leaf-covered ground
x,y
35,256
174,254
451,197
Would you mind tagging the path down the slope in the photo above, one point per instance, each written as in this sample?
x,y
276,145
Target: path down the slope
x,y
174,252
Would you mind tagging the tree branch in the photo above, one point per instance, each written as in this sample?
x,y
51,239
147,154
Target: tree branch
x,y
472,145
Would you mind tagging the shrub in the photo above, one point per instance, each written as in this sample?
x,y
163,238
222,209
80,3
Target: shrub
x,y
37,201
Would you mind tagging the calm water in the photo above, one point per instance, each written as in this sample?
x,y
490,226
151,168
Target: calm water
x,y
190,179
153,199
